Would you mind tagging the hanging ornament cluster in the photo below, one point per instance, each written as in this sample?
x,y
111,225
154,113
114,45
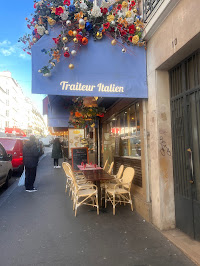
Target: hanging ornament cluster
x,y
84,112
118,20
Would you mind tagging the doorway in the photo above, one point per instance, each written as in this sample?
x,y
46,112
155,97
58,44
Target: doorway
x,y
185,114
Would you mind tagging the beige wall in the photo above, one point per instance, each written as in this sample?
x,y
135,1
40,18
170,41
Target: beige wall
x,y
183,24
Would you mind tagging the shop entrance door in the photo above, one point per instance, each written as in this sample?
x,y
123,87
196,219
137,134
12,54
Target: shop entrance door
x,y
185,112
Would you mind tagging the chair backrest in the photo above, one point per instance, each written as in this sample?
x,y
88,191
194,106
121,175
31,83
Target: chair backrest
x,y
66,169
128,176
71,175
120,172
106,162
110,169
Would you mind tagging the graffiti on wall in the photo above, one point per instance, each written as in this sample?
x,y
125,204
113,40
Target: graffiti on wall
x,y
164,150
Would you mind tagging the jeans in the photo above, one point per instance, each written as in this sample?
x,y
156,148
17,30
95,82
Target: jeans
x,y
55,162
30,175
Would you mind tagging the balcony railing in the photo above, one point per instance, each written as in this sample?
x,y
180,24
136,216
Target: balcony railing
x,y
150,7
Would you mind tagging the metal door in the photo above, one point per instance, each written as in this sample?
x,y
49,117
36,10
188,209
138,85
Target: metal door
x,y
185,112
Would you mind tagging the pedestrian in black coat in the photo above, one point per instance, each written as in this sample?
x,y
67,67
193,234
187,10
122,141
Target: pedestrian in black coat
x,y
30,158
56,152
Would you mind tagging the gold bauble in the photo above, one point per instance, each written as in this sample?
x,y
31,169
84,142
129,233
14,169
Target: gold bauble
x,y
113,42
34,39
81,26
65,39
99,35
75,40
74,33
128,14
71,66
137,28
135,10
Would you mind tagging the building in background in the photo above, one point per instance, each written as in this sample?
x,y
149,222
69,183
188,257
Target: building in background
x,y
16,110
2,107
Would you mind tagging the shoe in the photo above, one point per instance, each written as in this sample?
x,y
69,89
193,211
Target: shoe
x,y
31,190
55,167
58,166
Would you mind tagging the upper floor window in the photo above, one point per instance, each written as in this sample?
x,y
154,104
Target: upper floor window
x,y
150,7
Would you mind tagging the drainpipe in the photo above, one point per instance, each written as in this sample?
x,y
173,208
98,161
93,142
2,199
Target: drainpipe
x,y
146,151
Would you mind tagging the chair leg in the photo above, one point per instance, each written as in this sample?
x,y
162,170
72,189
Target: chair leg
x,y
105,199
114,204
97,203
131,202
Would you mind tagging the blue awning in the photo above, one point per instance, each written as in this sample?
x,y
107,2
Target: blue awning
x,y
58,111
101,70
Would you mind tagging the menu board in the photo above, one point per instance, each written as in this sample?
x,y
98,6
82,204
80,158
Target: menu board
x,y
79,155
75,137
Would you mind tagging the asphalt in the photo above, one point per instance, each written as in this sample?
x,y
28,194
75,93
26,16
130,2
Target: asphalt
x,y
40,229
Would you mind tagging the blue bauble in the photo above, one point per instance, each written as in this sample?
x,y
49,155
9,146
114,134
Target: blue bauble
x,y
88,26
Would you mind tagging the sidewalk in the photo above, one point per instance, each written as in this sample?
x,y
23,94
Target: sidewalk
x,y
40,229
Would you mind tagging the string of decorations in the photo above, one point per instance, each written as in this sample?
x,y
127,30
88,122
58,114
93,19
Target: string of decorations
x,y
118,20
84,112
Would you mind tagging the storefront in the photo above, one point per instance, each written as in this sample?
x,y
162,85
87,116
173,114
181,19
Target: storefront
x,y
94,54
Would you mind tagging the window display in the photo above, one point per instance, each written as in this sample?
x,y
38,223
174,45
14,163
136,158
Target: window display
x,y
121,134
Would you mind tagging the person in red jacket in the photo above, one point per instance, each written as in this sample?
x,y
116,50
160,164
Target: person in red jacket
x,y
30,158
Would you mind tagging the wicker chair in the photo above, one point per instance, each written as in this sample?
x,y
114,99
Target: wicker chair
x,y
111,168
87,193
113,182
105,165
121,192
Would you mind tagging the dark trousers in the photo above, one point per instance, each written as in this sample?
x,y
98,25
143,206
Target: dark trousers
x,y
55,162
30,175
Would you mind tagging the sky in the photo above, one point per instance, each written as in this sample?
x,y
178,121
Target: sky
x,y
12,58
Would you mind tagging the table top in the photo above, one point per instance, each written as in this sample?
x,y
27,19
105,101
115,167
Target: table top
x,y
89,167
100,175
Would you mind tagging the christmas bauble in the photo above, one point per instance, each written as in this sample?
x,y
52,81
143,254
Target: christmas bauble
x,y
81,26
39,70
68,23
137,28
99,35
113,42
66,49
73,52
75,40
74,33
123,50
71,66
112,23
135,10
34,39
47,74
82,22
65,39
46,32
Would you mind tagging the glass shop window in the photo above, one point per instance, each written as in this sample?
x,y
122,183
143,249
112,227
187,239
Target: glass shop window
x,y
122,134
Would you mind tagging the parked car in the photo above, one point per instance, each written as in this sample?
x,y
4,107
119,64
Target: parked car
x,y
5,167
14,147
